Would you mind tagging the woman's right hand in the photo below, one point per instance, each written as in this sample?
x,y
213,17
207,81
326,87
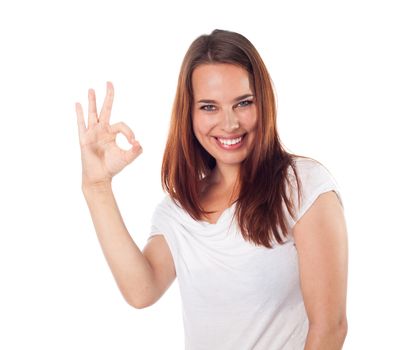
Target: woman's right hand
x,y
101,157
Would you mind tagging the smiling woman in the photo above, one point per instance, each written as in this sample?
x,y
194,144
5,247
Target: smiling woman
x,y
255,235
200,170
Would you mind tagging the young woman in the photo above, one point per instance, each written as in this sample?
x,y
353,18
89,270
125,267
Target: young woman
x,y
255,235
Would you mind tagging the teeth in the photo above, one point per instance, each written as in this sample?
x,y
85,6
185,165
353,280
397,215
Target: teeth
x,y
230,142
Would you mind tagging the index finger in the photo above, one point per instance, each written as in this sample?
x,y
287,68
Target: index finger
x,y
105,114
80,119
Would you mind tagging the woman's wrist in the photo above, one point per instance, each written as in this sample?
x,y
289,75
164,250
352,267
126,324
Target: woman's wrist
x,y
97,187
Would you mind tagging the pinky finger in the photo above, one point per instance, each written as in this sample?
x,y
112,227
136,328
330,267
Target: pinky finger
x,y
80,119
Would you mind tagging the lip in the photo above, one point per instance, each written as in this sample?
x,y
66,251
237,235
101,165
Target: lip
x,y
230,147
230,137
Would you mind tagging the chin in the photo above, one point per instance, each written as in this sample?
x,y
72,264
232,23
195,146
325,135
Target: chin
x,y
230,160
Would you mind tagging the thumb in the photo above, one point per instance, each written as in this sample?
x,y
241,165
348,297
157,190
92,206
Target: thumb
x,y
133,152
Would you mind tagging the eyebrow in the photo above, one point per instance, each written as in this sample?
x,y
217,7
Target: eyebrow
x,y
234,100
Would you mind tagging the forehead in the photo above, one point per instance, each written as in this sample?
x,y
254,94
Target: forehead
x,y
220,81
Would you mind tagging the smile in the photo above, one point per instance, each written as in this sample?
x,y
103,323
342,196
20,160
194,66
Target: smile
x,y
230,143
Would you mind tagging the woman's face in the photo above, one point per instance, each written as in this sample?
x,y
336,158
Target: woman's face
x,y
224,113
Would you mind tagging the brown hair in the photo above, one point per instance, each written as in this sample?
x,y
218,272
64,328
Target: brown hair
x,y
263,173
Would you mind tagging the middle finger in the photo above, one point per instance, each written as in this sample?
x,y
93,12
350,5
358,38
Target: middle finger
x,y
105,113
92,109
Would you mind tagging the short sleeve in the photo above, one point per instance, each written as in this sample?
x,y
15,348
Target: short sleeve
x,y
315,179
162,224
159,220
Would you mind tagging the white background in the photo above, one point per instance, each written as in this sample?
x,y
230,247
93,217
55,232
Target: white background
x,y
334,65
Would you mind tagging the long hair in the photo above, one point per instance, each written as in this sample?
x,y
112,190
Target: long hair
x,y
263,174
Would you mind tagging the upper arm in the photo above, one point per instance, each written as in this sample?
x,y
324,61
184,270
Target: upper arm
x,y
321,242
158,254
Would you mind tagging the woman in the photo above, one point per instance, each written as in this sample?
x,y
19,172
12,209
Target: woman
x,y
256,235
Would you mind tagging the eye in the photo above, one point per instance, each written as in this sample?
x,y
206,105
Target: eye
x,y
208,108
245,103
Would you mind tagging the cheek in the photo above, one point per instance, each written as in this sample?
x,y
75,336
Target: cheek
x,y
249,120
202,125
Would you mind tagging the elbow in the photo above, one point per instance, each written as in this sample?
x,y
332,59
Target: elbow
x,y
341,332
137,304
342,329
339,324
333,332
139,298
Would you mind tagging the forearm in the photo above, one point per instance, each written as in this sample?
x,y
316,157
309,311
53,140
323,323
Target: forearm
x,y
130,268
326,338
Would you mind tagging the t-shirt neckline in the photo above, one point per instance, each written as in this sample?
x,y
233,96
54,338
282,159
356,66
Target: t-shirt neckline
x,y
220,219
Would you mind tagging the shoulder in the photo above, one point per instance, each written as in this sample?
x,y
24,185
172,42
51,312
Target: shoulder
x,y
313,179
306,164
312,173
163,214
165,204
169,209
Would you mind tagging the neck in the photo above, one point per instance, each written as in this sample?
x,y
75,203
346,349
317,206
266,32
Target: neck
x,y
226,176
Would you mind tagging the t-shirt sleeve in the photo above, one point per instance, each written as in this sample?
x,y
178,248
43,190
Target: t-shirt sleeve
x,y
162,224
159,219
315,180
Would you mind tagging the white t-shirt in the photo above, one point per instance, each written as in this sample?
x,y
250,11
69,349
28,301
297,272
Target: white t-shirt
x,y
235,295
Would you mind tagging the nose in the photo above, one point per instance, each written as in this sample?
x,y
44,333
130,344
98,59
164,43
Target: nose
x,y
230,121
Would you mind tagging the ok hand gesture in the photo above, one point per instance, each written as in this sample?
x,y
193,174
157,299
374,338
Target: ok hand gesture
x,y
101,157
